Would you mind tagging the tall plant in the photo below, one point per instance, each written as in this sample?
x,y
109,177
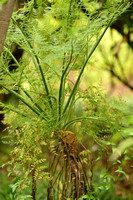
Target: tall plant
x,y
57,38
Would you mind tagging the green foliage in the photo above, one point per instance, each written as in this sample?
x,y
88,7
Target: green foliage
x,y
106,117
56,40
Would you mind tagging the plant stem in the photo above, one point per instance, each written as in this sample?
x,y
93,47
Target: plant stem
x,y
62,83
38,62
22,99
19,86
72,95
33,185
79,119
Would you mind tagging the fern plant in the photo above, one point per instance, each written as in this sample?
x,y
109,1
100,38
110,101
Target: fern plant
x,y
57,38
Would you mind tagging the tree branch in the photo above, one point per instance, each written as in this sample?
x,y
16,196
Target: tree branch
x,y
120,79
5,16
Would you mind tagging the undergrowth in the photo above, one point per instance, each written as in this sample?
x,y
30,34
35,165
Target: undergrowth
x,y
53,114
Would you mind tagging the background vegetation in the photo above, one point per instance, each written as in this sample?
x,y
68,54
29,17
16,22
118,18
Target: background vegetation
x,y
58,124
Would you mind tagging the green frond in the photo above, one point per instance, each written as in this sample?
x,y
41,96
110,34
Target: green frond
x,y
72,95
37,60
22,99
79,119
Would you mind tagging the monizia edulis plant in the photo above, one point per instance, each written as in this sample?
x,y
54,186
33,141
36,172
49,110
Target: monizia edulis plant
x,y
52,112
